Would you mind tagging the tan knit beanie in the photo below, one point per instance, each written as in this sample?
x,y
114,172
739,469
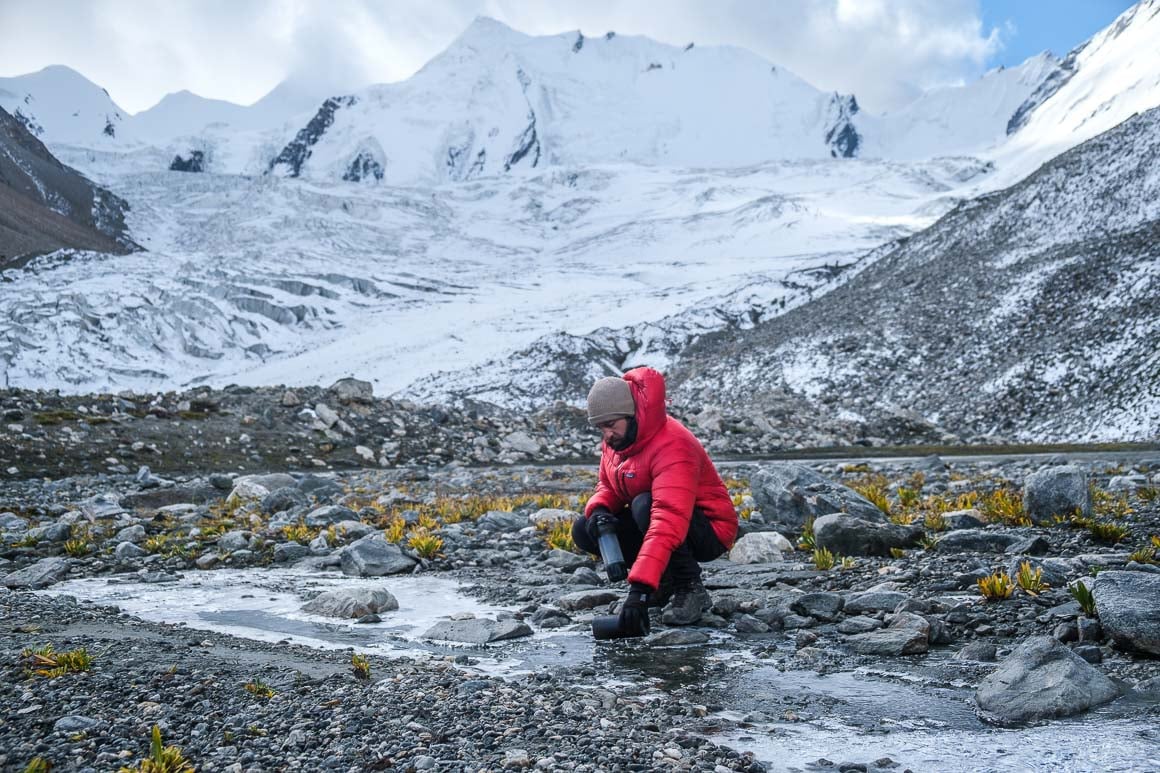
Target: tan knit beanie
x,y
610,398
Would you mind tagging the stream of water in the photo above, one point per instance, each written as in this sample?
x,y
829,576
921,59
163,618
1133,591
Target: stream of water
x,y
788,719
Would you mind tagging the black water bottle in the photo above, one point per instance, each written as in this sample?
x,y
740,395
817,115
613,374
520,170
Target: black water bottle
x,y
610,550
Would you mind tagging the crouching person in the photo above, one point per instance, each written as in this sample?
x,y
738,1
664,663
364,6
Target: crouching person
x,y
661,493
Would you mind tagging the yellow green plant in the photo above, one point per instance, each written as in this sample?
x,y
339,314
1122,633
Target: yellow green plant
x,y
847,562
360,666
1148,493
935,522
558,535
927,541
161,759
38,765
1005,505
873,488
47,662
806,540
425,544
259,688
1107,505
395,530
1156,541
1144,555
897,552
996,587
78,547
823,559
299,532
1083,595
1103,531
1031,580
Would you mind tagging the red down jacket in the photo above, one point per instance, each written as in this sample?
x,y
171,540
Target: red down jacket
x,y
667,460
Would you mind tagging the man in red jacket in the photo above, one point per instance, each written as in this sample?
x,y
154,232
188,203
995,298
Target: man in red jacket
x,y
665,498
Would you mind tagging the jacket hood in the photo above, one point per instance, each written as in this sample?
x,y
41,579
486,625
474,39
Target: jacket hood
x,y
648,393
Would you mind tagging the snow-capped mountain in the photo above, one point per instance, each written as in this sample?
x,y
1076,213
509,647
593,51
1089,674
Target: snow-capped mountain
x,y
60,106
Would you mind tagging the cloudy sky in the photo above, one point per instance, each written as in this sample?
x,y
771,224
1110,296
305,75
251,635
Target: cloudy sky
x,y
884,51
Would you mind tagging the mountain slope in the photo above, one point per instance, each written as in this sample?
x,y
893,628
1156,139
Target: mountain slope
x,y
1102,82
1032,314
45,205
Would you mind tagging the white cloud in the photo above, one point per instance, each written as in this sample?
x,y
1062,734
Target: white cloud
x,y
884,51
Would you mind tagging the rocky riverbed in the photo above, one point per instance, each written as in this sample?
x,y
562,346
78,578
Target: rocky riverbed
x,y
853,585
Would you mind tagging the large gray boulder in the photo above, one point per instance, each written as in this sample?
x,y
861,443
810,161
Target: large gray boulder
x,y
353,390
1128,604
875,601
351,602
373,556
852,536
788,494
45,572
1056,491
587,599
477,630
1042,679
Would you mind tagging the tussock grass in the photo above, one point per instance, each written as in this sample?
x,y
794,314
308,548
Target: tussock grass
x,y
47,662
161,759
1031,580
1083,595
823,559
874,488
259,688
425,544
996,587
1102,531
1004,505
360,666
558,535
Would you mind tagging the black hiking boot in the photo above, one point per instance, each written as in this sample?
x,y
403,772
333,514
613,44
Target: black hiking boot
x,y
689,601
664,592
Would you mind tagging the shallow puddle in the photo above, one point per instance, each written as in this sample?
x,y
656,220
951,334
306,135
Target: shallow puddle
x,y
792,719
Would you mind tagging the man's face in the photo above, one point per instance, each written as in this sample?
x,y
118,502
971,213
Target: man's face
x,y
613,431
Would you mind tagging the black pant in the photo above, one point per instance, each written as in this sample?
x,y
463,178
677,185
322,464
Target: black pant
x,y
701,543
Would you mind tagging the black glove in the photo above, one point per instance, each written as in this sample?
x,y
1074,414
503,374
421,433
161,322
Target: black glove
x,y
600,516
633,619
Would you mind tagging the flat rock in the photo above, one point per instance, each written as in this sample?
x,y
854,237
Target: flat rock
x,y
1128,604
852,536
907,634
587,599
565,560
975,541
875,601
373,556
477,630
285,552
501,520
859,624
673,637
965,519
45,572
1042,679
823,606
351,602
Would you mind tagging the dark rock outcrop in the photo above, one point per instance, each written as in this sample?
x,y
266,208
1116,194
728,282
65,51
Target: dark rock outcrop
x,y
294,155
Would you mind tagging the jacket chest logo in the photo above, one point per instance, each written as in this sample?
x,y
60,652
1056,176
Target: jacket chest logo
x,y
630,474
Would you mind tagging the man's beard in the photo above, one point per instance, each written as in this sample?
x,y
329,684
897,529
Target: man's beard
x,y
628,439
